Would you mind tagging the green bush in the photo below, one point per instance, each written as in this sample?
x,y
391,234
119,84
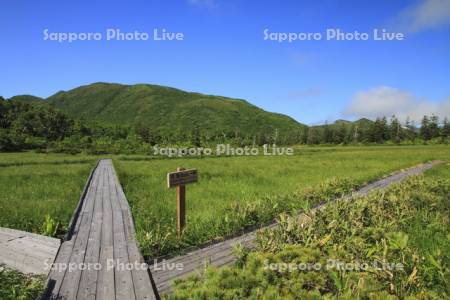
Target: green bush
x,y
406,226
14,285
10,142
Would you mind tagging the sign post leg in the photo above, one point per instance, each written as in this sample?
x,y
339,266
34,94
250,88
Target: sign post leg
x,y
181,207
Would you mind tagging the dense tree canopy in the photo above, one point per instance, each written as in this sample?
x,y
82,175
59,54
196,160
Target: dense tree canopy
x,y
28,125
379,131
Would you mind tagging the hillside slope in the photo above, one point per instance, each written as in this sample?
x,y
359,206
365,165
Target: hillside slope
x,y
27,99
168,109
362,123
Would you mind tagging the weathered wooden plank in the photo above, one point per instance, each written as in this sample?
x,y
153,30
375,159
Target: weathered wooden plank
x,y
74,221
29,245
196,259
88,282
42,239
57,275
69,287
6,237
142,284
18,260
123,278
199,254
189,267
217,255
224,260
105,286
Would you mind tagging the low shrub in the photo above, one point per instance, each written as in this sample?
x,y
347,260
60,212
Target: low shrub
x,y
389,245
14,285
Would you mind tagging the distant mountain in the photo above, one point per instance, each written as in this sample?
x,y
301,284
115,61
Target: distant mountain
x,y
362,124
167,109
27,99
340,131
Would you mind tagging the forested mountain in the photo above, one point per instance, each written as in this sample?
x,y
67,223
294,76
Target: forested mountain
x,y
167,111
115,118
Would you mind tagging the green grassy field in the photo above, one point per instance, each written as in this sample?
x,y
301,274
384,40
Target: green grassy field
x,y
33,158
34,186
236,192
233,192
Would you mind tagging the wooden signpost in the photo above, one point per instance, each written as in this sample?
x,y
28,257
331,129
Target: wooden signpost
x,y
179,179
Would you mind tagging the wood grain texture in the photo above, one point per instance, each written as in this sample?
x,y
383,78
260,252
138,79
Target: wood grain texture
x,y
103,236
27,252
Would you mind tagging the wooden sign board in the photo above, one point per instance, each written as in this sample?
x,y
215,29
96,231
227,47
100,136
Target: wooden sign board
x,y
182,177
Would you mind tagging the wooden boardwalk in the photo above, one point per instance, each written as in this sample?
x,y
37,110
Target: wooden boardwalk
x,y
100,251
221,254
27,252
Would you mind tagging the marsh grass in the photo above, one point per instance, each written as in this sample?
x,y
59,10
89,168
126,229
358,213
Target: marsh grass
x,y
238,192
39,192
407,224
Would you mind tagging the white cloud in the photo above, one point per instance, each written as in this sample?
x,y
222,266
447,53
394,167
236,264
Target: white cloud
x,y
387,101
204,3
425,14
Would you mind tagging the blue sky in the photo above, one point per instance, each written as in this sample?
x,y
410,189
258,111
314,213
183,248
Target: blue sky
x,y
224,53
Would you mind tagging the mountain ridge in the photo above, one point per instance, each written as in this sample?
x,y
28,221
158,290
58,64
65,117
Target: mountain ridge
x,y
166,109
154,105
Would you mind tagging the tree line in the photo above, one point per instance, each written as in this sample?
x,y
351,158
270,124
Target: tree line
x,y
27,126
380,131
